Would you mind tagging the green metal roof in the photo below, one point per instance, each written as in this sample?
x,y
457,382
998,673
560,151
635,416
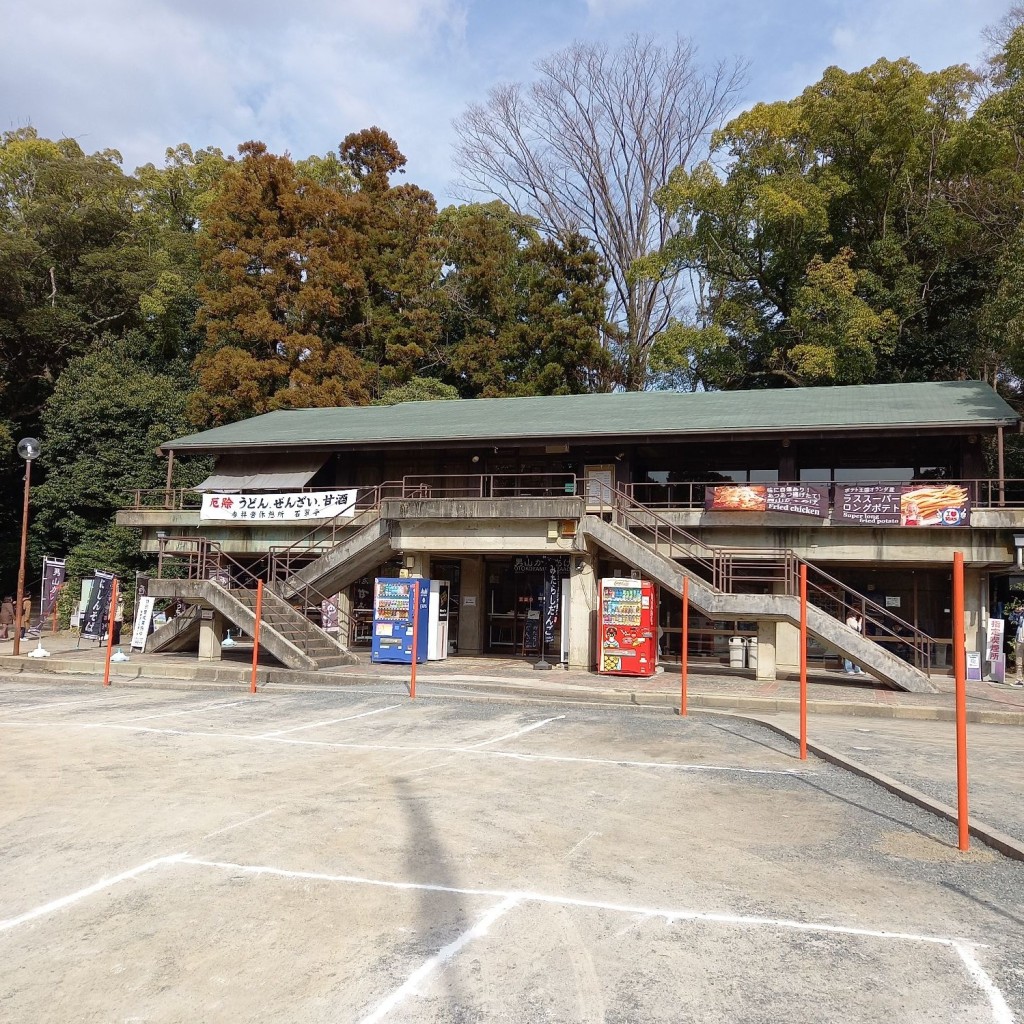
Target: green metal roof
x,y
962,405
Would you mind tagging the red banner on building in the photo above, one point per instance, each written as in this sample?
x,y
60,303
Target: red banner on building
x,y
797,499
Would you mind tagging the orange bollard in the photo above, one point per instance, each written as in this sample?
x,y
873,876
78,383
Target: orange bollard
x,y
960,676
110,631
684,649
256,634
415,635
803,662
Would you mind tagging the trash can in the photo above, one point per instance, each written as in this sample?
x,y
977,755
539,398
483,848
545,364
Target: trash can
x,y
752,652
736,652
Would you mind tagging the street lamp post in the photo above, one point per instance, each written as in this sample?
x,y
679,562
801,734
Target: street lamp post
x,y
28,449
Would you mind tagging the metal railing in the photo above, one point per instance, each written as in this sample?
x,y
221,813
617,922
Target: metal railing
x,y
681,495
741,570
198,558
692,494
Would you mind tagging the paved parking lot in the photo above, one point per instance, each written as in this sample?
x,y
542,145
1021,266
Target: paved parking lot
x,y
356,856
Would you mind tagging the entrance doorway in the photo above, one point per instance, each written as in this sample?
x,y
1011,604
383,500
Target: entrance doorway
x,y
513,610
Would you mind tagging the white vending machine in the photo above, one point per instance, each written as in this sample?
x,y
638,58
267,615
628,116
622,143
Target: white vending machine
x,y
437,621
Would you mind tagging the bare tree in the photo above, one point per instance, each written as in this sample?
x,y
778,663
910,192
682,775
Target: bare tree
x,y
585,148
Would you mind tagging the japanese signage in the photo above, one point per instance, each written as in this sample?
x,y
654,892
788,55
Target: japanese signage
x,y
282,508
902,505
798,499
96,594
53,579
143,619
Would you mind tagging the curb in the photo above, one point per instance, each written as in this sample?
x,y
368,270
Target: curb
x,y
992,837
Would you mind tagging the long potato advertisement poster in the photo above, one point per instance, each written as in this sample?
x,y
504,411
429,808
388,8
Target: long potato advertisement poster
x,y
902,505
797,499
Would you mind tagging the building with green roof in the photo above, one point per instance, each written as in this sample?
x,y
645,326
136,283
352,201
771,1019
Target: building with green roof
x,y
874,486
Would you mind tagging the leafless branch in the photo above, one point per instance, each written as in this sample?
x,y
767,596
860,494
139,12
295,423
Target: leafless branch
x,y
585,147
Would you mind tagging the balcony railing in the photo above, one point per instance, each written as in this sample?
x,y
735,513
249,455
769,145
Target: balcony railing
x,y
673,496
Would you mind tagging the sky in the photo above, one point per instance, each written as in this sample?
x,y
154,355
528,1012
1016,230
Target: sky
x,y
139,76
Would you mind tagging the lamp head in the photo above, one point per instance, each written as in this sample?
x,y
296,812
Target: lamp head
x,y
29,448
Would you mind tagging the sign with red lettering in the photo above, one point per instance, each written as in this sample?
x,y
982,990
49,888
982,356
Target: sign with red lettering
x,y
279,508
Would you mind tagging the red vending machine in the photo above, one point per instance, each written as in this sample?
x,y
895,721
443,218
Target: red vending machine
x,y
628,628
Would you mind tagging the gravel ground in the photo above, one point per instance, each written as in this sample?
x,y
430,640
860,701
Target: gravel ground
x,y
923,755
358,856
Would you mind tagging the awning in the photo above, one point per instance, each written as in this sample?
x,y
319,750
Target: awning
x,y
263,473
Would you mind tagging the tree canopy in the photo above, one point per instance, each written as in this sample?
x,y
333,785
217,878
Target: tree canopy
x,y
850,235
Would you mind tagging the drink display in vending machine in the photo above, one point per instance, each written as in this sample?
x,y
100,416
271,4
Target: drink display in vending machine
x,y
393,620
627,627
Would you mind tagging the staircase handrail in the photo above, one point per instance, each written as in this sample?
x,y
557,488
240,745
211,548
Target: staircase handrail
x,y
284,555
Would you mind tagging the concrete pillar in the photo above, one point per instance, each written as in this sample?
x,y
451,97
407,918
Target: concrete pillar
x,y
211,632
345,617
976,610
767,644
420,563
787,647
471,616
583,598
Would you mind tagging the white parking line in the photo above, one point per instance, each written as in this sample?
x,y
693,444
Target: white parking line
x,y
513,735
1001,1013
474,751
65,703
439,959
332,721
188,711
103,883
244,821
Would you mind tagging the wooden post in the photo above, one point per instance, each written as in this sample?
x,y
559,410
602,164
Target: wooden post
x,y
256,635
1002,470
169,492
960,675
110,631
684,649
803,662
415,636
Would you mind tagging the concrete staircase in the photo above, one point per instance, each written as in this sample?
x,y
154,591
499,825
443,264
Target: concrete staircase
x,y
178,634
711,601
330,572
285,632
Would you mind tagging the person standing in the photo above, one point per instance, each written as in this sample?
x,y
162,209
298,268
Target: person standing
x,y
853,621
118,620
26,614
6,617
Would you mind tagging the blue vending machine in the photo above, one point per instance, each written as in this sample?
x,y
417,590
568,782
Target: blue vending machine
x,y
393,618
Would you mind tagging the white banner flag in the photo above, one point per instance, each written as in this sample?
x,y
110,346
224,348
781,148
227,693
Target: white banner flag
x,y
281,508
143,617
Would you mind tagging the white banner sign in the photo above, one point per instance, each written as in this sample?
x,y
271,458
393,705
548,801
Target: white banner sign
x,y
282,508
143,617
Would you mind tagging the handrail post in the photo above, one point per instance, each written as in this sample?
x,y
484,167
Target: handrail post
x,y
256,635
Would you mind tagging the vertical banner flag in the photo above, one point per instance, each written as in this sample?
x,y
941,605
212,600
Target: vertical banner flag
x,y
552,584
53,579
143,612
143,617
96,604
